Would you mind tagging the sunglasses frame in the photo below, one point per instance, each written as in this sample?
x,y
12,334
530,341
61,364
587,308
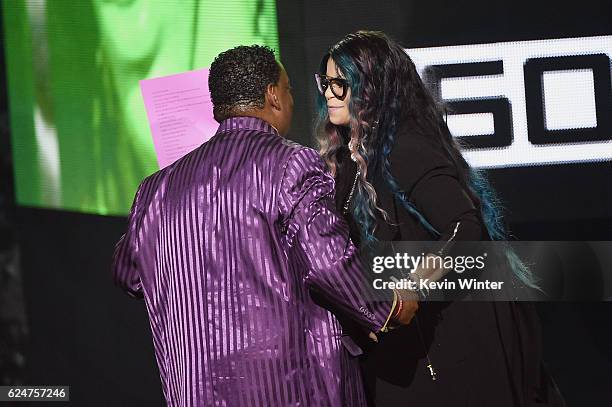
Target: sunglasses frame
x,y
322,88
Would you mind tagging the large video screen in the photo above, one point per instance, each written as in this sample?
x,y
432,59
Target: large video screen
x,y
80,136
524,103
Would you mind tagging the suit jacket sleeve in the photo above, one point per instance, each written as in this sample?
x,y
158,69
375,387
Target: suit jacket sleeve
x,y
315,227
125,260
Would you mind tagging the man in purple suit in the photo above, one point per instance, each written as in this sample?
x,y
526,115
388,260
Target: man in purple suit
x,y
226,246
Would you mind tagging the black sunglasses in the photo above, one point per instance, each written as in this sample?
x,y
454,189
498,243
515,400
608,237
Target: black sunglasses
x,y
338,86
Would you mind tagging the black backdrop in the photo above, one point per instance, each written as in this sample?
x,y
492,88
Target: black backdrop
x,y
85,333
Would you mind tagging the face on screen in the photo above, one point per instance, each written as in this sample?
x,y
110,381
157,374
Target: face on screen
x,y
337,109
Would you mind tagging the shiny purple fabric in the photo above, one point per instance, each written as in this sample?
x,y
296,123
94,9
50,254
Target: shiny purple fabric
x,y
225,246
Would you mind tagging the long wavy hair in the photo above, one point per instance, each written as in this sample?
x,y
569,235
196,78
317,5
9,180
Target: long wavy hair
x,y
387,92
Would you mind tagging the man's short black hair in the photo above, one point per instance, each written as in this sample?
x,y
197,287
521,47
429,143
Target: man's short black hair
x,y
239,77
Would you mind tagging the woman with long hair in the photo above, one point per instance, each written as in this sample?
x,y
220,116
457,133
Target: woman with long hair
x,y
400,175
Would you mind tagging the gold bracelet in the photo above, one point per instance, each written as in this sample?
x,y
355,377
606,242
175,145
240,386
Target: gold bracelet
x,y
395,299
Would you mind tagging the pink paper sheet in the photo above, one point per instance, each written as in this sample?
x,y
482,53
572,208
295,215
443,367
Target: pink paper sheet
x,y
180,113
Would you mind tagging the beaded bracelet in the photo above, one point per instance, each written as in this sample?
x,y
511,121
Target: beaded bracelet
x,y
398,310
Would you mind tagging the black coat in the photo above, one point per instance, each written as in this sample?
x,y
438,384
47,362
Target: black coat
x,y
483,353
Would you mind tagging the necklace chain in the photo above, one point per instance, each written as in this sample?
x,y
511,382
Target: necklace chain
x,y
345,208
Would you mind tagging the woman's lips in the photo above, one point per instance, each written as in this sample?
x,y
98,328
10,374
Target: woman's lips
x,y
334,107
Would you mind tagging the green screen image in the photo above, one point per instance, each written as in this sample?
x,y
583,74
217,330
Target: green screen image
x,y
79,132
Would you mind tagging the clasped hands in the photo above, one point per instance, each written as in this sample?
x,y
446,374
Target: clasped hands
x,y
407,302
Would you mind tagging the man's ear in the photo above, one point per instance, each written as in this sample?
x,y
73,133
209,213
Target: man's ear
x,y
272,97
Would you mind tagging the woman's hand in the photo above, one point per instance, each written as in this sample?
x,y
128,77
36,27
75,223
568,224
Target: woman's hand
x,y
409,306
409,309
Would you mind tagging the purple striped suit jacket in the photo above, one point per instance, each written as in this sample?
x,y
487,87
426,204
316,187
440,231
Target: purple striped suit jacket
x,y
225,245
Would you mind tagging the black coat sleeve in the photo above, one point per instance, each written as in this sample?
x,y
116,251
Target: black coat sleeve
x,y
429,181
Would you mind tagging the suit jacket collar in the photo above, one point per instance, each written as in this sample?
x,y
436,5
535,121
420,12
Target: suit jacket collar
x,y
238,123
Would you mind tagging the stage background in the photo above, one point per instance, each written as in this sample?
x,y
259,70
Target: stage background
x,y
81,139
85,333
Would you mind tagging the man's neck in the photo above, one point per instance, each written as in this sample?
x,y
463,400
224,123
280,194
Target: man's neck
x,y
262,114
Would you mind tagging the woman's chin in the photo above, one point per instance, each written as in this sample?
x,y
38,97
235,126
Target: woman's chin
x,y
337,121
